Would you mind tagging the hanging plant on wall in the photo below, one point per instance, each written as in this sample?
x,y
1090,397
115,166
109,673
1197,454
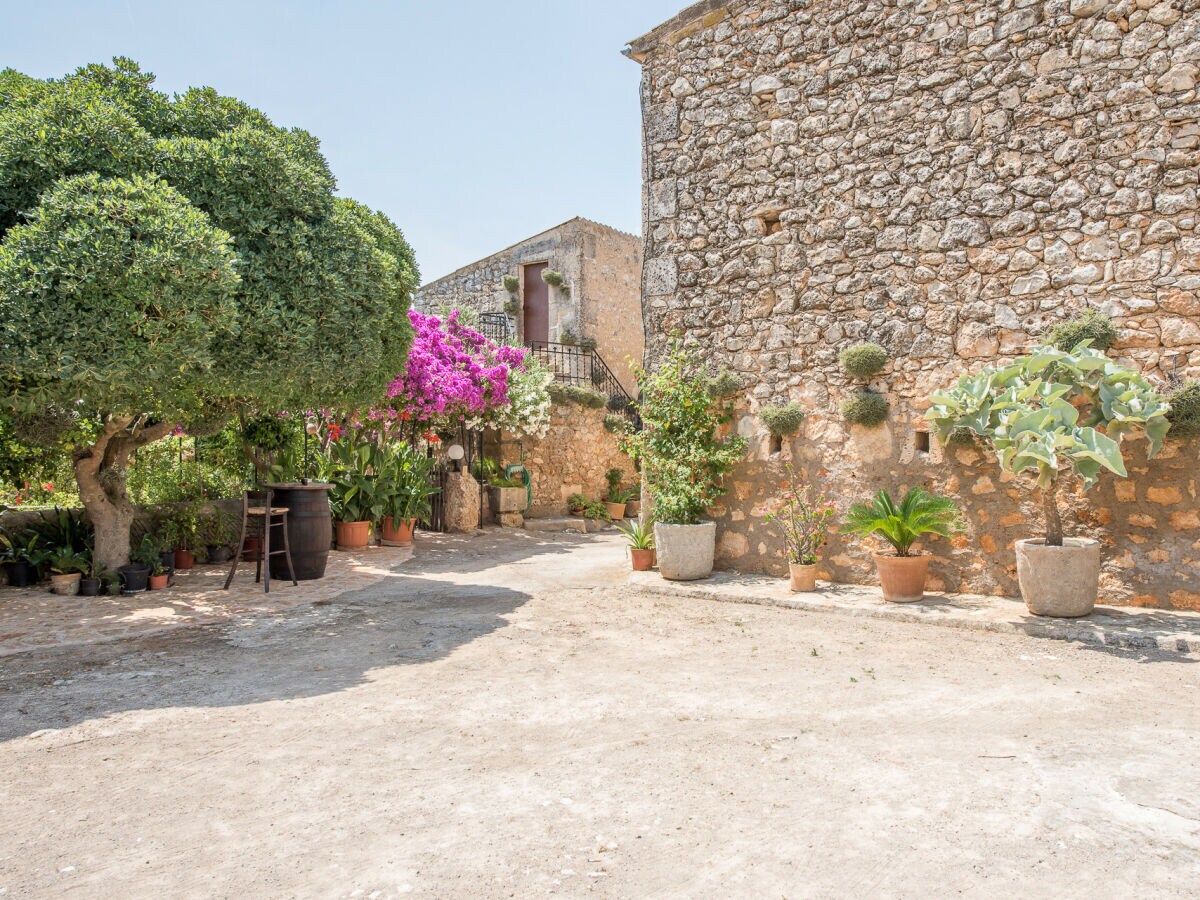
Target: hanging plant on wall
x,y
511,284
782,420
552,278
1089,325
512,306
1184,414
866,408
864,360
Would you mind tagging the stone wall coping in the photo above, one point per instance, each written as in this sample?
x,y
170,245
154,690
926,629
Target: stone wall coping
x,y
640,48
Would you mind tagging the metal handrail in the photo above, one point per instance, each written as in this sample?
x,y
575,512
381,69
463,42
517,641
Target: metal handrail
x,y
571,364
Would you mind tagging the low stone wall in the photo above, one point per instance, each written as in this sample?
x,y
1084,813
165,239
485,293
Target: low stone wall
x,y
572,458
1148,524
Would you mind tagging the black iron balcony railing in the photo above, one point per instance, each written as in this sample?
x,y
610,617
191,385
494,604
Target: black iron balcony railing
x,y
577,366
494,326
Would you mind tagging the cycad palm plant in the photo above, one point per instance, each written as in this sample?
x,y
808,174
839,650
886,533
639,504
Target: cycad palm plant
x,y
918,513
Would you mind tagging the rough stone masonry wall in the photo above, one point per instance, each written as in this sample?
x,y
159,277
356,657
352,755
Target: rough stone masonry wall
x,y
572,458
948,179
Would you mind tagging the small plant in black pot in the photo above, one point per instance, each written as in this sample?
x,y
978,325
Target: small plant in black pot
x,y
135,575
89,585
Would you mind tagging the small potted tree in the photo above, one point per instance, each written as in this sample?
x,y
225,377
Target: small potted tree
x,y
902,576
805,515
684,460
1051,415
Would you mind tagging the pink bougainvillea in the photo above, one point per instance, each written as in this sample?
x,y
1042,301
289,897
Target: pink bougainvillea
x,y
453,371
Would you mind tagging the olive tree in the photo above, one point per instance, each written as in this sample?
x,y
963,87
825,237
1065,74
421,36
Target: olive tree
x,y
1054,412
167,262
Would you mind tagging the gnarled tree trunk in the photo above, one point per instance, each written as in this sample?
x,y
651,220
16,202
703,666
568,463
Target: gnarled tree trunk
x,y
100,471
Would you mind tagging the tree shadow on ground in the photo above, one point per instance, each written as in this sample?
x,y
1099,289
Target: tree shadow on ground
x,y
304,652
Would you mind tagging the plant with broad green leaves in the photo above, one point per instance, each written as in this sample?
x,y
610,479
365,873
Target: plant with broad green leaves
x,y
170,260
351,466
684,459
918,513
406,477
1055,412
640,535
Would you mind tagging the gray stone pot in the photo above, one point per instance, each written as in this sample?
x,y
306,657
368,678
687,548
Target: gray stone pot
x,y
507,500
685,552
1059,581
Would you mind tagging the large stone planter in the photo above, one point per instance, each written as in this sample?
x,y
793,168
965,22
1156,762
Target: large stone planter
x,y
685,552
1059,581
508,499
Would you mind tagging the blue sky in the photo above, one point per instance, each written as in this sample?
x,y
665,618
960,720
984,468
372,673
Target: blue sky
x,y
473,124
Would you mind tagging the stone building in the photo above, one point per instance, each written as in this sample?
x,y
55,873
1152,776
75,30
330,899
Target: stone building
x,y
599,297
945,178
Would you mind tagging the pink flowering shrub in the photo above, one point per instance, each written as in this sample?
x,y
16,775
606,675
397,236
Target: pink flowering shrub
x,y
453,372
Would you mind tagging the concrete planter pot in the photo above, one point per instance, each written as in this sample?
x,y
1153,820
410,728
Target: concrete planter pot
x,y
507,499
902,578
803,577
685,552
65,585
1059,581
615,510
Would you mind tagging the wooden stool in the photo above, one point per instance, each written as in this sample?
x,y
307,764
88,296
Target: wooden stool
x,y
256,505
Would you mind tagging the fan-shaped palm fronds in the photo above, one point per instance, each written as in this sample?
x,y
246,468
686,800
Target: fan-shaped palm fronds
x,y
920,512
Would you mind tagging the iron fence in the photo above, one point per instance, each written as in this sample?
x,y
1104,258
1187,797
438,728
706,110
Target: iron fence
x,y
581,367
494,326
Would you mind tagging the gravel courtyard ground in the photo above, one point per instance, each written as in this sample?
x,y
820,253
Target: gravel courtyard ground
x,y
506,716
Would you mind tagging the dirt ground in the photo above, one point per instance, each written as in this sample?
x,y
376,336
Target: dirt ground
x,y
506,717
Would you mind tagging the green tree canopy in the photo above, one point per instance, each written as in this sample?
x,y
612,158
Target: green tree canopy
x,y
169,260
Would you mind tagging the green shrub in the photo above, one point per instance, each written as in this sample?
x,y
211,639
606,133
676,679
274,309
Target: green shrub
x,y
587,345
569,393
865,408
595,509
511,284
512,306
568,337
552,278
724,384
783,420
1185,409
616,423
864,360
1090,324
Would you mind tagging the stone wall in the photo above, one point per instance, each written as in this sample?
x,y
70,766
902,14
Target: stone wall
x,y
601,266
571,459
946,179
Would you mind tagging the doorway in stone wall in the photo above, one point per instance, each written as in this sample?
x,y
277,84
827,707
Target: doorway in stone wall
x,y
536,324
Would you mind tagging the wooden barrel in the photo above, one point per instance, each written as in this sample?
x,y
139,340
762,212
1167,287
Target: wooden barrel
x,y
310,529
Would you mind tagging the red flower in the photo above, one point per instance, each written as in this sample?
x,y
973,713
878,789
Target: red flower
x,y
335,431
48,486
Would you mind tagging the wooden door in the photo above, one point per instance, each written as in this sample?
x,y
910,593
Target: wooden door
x,y
536,326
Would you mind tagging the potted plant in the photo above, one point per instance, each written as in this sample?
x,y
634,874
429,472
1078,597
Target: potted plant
x,y
640,536
68,568
135,574
902,575
407,494
215,533
576,503
595,515
15,551
112,582
89,585
805,514
684,460
355,498
180,533
633,504
158,576
1051,415
616,497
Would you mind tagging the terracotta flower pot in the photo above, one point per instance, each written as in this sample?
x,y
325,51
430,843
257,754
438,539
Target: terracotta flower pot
x,y
615,510
398,533
643,560
804,577
633,508
184,559
65,585
353,535
577,513
902,578
158,582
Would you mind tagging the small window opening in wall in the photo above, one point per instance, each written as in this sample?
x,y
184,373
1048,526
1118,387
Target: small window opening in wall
x,y
921,441
776,444
769,222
